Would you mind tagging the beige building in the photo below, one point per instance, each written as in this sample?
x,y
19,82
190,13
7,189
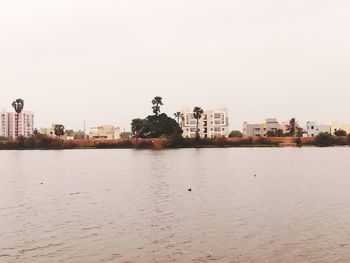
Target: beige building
x,y
213,124
260,130
50,132
104,132
335,126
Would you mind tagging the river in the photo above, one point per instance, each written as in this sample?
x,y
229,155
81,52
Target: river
x,y
246,205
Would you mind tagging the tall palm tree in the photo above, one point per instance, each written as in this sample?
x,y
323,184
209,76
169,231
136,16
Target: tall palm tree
x,y
292,127
157,102
197,114
18,105
178,115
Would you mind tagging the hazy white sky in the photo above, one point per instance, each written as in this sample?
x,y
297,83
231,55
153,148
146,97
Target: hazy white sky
x,y
103,61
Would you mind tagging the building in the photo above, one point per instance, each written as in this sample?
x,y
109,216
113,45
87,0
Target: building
x,y
213,124
50,132
104,132
260,130
335,126
3,124
313,129
25,124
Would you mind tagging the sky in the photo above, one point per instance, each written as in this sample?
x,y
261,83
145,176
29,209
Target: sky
x,y
104,61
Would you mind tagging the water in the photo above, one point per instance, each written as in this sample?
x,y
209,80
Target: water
x,y
133,206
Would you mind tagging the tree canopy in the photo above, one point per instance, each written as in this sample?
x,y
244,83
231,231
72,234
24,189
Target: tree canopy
x,y
235,134
340,132
155,126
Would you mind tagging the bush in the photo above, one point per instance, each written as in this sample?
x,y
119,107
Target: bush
x,y
174,141
144,144
340,132
124,144
324,139
234,134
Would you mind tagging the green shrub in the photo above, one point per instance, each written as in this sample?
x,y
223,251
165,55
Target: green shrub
x,y
324,139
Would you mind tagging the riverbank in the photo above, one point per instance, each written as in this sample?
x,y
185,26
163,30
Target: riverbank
x,y
45,143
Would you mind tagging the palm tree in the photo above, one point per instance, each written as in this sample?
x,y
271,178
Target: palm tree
x,y
18,105
197,114
178,115
300,132
157,102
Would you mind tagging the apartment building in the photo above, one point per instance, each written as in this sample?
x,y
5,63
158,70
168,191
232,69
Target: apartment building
x,y
213,124
335,126
104,132
313,129
260,130
25,124
3,123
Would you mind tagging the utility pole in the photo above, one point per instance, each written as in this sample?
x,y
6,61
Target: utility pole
x,y
84,130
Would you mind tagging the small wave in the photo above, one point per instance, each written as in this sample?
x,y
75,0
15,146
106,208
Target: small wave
x,y
42,247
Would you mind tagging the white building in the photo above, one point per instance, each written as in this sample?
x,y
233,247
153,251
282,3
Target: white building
x,y
25,124
104,132
3,124
260,130
313,129
213,124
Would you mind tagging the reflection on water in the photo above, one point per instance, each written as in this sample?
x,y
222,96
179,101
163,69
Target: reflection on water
x,y
133,206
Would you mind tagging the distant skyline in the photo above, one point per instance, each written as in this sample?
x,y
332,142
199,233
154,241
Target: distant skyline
x,y
104,61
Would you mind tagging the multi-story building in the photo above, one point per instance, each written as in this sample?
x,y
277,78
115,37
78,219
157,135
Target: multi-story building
x,y
25,124
260,130
3,124
104,132
213,124
313,128
335,126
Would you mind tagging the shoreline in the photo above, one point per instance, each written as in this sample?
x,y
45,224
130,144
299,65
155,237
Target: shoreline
x,y
45,143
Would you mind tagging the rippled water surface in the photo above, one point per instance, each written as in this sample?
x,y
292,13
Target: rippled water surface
x,y
133,206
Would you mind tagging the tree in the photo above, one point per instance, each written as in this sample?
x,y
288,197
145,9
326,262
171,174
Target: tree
x,y
300,132
36,132
197,114
157,102
340,132
59,130
155,127
324,139
292,127
235,134
137,125
178,115
270,133
162,125
18,105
